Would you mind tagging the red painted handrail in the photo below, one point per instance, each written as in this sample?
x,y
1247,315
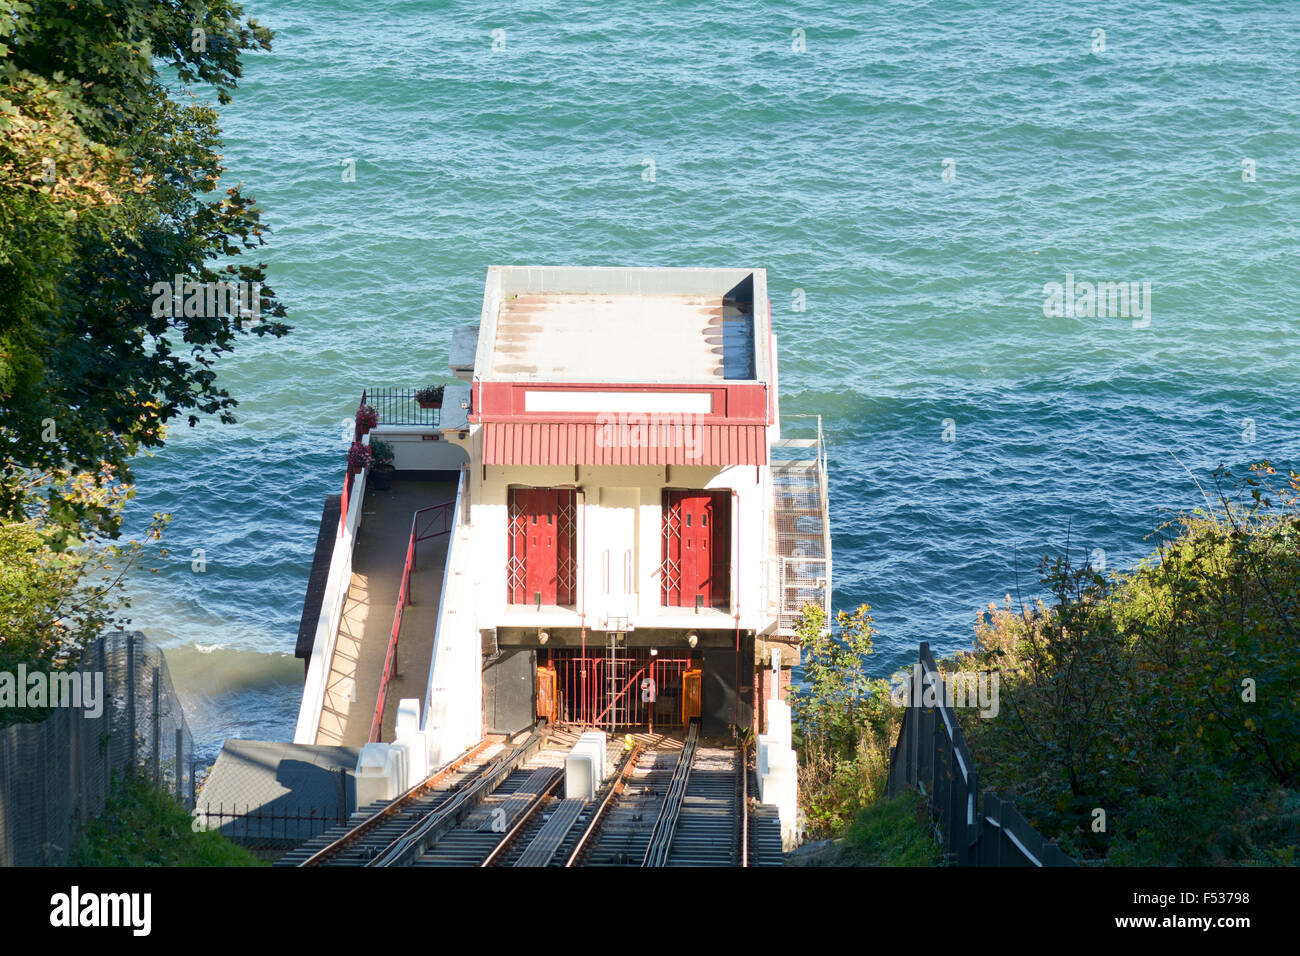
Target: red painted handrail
x,y
443,516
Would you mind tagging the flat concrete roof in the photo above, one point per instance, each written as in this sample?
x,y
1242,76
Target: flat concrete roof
x,y
581,338
634,325
268,777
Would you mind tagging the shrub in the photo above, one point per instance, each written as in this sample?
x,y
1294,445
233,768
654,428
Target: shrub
x,y
1167,696
844,722
141,826
381,452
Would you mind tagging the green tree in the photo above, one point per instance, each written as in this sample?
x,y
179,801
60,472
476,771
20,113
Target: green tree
x,y
829,705
1168,695
107,183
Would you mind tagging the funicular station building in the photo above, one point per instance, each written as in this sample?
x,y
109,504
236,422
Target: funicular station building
x,y
603,525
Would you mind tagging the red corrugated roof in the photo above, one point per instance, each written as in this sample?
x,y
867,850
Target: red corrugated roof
x,y
578,443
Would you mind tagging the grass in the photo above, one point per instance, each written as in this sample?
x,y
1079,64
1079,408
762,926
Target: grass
x,y
140,826
890,832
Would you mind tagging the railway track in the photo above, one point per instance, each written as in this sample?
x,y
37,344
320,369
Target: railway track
x,y
667,802
384,835
682,804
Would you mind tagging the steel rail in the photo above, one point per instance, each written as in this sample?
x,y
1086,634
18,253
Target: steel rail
x,y
620,782
536,804
396,807
426,831
661,837
546,843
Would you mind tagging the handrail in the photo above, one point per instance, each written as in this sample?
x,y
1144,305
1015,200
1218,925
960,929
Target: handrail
x,y
397,406
403,599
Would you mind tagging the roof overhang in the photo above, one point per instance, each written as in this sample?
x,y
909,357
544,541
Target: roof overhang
x,y
628,440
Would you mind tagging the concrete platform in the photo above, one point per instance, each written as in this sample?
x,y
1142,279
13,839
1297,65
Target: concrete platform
x,y
262,791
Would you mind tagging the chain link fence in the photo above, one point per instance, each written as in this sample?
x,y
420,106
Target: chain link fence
x,y
117,712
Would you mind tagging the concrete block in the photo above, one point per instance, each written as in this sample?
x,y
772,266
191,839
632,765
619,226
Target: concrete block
x,y
780,787
778,720
408,717
579,776
379,773
597,742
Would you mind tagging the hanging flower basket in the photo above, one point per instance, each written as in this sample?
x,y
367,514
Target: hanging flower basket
x,y
359,457
367,418
430,396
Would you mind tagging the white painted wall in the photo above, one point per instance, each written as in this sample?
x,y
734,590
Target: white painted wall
x,y
453,705
327,629
622,513
419,448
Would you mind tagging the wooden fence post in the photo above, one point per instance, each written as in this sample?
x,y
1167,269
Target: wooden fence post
x,y
107,735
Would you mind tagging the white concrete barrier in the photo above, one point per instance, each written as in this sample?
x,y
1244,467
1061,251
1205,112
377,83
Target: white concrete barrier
x,y
337,584
778,770
580,776
778,720
780,787
408,717
593,742
380,773
408,736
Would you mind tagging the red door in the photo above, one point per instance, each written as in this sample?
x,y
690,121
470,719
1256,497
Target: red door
x,y
696,549
540,563
541,567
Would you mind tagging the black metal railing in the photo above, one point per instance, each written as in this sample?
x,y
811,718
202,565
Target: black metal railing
x,y
269,827
931,756
397,406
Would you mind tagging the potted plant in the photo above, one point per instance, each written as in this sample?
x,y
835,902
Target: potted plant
x,y
367,418
381,469
430,396
359,457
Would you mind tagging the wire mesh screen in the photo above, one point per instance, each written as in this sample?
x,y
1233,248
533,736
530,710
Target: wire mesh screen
x,y
802,581
117,712
800,520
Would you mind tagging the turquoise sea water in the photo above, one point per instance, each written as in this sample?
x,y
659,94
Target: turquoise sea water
x,y
924,297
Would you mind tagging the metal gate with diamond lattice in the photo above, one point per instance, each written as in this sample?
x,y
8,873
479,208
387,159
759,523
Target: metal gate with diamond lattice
x,y
695,549
542,566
